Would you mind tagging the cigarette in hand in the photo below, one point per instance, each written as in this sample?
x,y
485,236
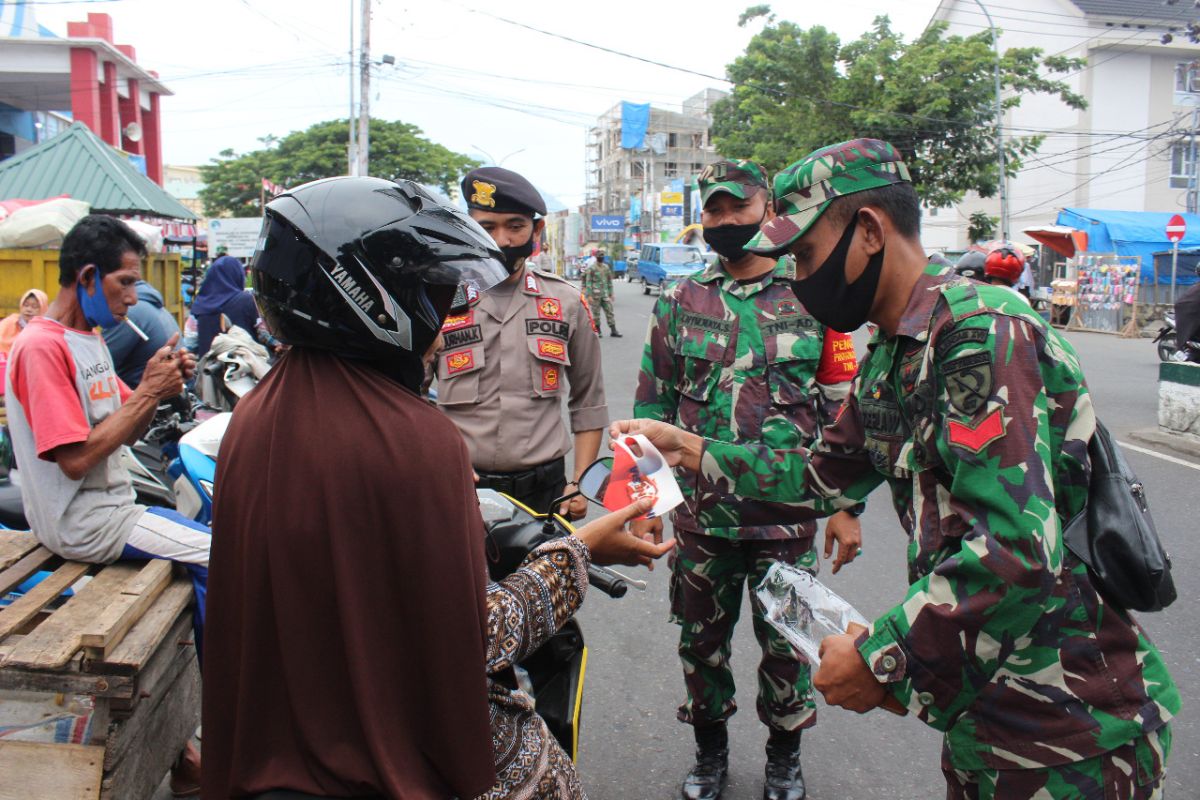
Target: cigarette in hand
x,y
133,326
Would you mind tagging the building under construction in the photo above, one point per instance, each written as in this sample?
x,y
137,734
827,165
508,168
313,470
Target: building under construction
x,y
677,146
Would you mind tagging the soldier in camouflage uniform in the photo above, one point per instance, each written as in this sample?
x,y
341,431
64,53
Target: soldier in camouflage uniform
x,y
597,280
977,415
731,354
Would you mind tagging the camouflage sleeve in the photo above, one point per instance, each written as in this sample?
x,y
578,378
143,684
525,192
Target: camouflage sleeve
x,y
529,606
657,393
1002,552
586,403
836,474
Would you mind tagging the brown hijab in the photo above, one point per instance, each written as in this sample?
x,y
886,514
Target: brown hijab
x,y
345,651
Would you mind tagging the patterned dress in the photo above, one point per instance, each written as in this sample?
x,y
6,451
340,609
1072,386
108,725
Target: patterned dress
x,y
524,611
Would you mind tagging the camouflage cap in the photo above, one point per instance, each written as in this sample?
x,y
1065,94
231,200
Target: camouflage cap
x,y
805,189
742,179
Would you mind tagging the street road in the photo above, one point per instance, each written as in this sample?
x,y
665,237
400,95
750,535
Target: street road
x,y
632,747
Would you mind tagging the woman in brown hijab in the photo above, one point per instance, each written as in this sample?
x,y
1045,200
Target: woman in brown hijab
x,y
352,630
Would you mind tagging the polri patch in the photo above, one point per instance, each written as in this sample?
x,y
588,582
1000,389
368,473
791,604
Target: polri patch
x,y
969,382
548,327
552,349
976,437
461,361
461,337
549,308
550,377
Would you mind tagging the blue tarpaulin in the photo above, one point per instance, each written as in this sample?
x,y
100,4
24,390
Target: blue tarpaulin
x,y
1133,233
635,121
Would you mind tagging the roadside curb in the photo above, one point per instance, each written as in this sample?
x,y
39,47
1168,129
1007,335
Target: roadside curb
x,y
1173,442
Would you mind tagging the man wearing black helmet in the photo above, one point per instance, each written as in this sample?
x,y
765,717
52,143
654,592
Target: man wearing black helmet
x,y
500,372
356,647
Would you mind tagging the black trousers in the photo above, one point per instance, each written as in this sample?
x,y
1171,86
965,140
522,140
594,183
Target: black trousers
x,y
536,487
1187,318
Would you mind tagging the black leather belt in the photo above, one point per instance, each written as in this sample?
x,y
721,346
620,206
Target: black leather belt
x,y
525,481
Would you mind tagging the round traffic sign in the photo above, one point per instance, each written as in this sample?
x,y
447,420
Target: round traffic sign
x,y
1176,228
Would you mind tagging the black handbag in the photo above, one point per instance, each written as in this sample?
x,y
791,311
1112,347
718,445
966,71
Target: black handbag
x,y
1114,534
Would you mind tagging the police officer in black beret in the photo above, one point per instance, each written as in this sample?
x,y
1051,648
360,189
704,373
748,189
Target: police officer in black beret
x,y
510,356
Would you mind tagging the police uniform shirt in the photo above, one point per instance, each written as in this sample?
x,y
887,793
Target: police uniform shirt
x,y
501,373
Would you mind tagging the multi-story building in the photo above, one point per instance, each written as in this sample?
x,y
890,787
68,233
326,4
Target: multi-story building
x,y
47,81
184,184
677,145
1129,149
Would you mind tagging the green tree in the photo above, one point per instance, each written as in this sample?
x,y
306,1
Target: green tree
x,y
981,227
797,89
233,181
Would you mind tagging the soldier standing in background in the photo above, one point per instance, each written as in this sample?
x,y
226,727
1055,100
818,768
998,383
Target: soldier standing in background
x,y
977,414
506,352
598,286
731,354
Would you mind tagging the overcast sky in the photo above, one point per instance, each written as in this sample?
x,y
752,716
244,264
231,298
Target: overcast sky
x,y
242,69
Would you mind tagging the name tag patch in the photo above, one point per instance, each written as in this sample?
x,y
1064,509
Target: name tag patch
x,y
797,324
462,337
690,319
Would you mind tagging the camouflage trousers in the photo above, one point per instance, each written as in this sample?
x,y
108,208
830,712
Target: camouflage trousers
x,y
707,576
1132,772
605,303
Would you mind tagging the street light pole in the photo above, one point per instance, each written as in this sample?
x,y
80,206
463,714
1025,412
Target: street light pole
x,y
999,131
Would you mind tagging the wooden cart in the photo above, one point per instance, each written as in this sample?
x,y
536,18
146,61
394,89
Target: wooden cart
x,y
125,641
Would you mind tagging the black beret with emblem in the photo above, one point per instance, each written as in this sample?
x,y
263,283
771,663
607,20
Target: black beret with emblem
x,y
501,190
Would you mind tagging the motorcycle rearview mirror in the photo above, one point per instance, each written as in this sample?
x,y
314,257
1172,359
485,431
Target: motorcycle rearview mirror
x,y
593,483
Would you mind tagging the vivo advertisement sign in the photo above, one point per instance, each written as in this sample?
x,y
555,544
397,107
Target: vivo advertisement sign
x,y
608,223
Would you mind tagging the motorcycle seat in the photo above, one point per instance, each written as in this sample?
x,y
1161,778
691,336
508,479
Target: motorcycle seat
x,y
12,507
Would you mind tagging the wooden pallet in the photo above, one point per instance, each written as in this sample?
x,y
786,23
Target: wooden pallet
x,y
125,639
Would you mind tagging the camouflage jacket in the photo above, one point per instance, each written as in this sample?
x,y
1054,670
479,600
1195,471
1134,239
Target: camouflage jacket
x,y
597,279
740,363
977,415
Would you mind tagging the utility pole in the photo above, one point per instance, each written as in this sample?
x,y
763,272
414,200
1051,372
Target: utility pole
x,y
364,92
999,128
351,152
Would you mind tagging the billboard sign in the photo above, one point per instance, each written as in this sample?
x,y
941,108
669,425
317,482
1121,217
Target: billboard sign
x,y
671,198
239,234
672,211
608,223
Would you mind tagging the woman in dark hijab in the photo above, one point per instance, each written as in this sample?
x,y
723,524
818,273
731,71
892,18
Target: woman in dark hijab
x,y
223,292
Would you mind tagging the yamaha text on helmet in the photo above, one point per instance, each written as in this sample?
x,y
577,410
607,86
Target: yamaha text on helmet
x,y
367,268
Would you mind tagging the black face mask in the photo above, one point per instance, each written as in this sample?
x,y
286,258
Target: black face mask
x,y
729,241
514,255
833,302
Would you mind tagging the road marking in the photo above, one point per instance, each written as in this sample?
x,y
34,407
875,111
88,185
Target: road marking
x,y
1156,454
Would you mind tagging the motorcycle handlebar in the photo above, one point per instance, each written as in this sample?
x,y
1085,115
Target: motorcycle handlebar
x,y
607,581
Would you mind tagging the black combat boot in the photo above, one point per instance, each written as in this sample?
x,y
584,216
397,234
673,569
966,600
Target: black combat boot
x,y
785,779
707,777
613,333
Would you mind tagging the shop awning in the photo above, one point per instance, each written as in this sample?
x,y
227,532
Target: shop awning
x,y
1061,239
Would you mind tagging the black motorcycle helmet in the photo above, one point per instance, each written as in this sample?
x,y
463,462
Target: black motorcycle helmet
x,y
970,264
367,268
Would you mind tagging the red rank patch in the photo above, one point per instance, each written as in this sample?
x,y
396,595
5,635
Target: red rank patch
x,y
456,321
531,283
980,436
552,349
472,294
549,377
549,308
460,361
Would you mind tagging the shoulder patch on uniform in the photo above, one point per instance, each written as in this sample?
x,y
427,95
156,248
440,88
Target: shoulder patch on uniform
x,y
531,284
591,320
976,437
969,381
948,341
